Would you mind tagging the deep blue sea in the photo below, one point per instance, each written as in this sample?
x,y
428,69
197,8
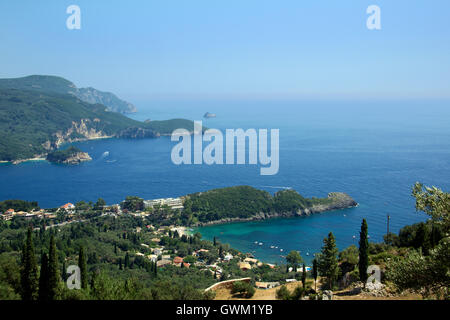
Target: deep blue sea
x,y
374,151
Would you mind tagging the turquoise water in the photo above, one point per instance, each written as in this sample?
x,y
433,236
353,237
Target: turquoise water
x,y
374,151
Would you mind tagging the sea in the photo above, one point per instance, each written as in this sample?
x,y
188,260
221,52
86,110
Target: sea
x,y
372,150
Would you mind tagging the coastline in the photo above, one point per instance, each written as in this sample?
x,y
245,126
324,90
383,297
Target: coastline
x,y
16,162
340,201
40,158
263,217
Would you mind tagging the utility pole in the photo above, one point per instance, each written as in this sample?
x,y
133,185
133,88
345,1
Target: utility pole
x,y
388,218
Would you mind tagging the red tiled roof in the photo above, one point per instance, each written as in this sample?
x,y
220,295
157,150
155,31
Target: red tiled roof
x,y
177,260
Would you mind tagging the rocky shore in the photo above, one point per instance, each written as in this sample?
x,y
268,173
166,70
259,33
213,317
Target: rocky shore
x,y
77,158
338,201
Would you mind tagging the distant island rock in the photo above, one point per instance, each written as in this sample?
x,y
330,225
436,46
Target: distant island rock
x,y
209,115
72,155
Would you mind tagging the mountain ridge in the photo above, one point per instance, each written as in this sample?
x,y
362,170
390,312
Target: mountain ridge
x,y
56,84
38,121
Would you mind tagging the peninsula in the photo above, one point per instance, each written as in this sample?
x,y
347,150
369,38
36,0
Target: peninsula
x,y
38,116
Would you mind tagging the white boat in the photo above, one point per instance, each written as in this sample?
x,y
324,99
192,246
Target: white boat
x,y
281,250
260,243
271,247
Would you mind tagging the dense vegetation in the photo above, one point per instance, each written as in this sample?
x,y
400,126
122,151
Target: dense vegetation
x,y
110,252
18,205
31,118
243,202
60,85
60,156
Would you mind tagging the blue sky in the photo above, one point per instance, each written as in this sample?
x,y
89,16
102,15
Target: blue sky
x,y
233,49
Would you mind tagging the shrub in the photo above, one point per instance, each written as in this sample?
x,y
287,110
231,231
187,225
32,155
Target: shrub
x,y
244,289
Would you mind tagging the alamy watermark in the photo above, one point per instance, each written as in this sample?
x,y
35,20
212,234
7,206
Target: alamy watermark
x,y
74,280
213,153
374,20
73,22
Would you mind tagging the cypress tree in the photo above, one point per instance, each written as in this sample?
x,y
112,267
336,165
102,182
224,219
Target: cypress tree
x,y
328,262
44,279
314,273
120,264
127,260
29,270
214,241
53,270
304,276
83,268
64,271
363,263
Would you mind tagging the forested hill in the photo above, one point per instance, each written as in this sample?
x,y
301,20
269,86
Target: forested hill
x,y
52,84
34,123
247,203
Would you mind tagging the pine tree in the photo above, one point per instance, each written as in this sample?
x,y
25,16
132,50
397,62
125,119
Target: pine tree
x,y
363,263
83,268
53,271
44,279
29,270
314,274
328,262
304,276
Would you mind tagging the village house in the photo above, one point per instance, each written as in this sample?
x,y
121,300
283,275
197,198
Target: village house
x,y
251,260
68,206
244,266
8,214
163,262
152,257
177,261
172,203
228,257
266,285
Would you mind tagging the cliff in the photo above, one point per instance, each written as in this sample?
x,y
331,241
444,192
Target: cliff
x,y
36,123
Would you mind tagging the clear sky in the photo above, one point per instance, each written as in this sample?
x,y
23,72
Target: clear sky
x,y
234,48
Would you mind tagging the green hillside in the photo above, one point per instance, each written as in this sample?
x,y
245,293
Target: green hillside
x,y
245,202
53,84
31,119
